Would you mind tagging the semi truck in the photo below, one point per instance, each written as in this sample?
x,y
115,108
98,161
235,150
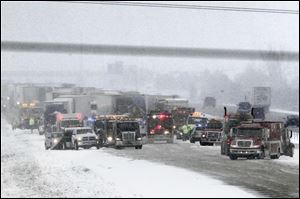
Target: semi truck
x,y
261,98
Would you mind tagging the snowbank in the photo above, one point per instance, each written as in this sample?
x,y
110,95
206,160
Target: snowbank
x,y
28,170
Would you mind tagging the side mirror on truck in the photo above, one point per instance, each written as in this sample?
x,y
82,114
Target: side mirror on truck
x,y
291,135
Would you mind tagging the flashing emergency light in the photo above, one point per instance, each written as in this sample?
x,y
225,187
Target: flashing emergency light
x,y
90,119
78,116
59,117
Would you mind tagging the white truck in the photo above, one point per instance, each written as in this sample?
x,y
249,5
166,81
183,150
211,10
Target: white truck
x,y
261,98
80,103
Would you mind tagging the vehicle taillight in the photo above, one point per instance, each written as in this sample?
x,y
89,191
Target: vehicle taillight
x,y
152,131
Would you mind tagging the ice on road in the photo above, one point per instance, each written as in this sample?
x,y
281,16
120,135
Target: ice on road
x,y
28,170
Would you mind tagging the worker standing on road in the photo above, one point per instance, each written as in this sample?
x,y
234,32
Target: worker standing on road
x,y
31,124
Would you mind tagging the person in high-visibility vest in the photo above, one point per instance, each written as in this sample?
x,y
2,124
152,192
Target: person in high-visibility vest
x,y
31,124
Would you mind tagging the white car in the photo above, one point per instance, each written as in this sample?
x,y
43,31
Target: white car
x,y
83,137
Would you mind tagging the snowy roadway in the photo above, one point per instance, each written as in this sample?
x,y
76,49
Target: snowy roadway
x,y
160,170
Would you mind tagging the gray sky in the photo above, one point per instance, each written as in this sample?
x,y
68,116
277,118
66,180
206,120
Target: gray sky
x,y
103,24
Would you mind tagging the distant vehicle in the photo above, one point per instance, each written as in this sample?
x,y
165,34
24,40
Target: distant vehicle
x,y
292,120
52,138
194,120
29,111
209,134
258,113
160,127
180,116
209,102
244,107
261,98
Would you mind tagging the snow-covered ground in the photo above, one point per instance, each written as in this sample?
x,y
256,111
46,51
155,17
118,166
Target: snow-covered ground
x,y
28,170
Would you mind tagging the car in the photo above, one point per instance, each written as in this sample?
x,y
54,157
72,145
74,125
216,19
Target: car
x,y
244,107
292,120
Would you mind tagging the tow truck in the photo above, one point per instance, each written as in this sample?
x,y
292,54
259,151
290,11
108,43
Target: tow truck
x,y
63,138
160,127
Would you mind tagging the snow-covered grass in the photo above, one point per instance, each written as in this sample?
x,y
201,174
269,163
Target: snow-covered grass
x,y
28,170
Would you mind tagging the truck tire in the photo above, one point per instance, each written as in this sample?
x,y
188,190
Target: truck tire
x,y
76,146
202,144
291,151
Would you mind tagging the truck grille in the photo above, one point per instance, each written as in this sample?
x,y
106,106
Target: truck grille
x,y
213,135
244,143
128,136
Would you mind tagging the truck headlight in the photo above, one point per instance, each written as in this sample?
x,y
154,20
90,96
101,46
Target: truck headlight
x,y
167,132
203,135
109,139
55,141
117,139
79,139
256,146
181,133
174,127
139,139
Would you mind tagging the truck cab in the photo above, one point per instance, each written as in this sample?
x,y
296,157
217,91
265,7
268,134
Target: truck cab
x,y
81,137
209,134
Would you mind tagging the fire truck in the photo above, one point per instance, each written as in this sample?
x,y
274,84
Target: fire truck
x,y
260,139
160,127
231,120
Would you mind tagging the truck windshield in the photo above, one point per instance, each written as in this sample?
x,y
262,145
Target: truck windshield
x,y
56,135
251,132
197,120
99,124
70,123
244,105
128,126
84,131
214,125
167,123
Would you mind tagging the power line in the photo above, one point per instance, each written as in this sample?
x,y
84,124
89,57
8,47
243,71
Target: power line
x,y
40,47
186,6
